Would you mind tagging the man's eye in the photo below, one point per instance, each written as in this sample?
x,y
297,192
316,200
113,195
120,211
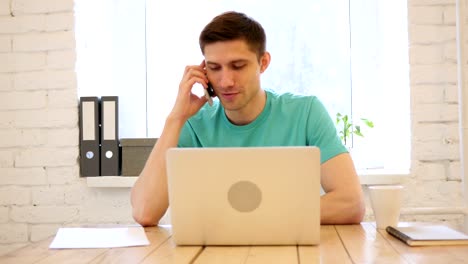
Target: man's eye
x,y
214,68
238,66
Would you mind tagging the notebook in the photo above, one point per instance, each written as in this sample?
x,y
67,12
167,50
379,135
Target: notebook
x,y
428,235
244,196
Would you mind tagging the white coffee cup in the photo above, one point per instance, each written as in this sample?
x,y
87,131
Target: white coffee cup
x,y
386,203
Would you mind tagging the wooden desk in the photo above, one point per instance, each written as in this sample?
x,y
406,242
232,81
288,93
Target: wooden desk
x,y
339,244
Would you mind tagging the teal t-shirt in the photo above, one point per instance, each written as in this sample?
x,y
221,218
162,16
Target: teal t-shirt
x,y
286,120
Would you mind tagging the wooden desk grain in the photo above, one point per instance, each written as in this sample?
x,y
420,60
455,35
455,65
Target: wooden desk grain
x,y
338,244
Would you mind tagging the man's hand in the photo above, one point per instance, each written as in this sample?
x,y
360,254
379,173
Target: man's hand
x,y
187,103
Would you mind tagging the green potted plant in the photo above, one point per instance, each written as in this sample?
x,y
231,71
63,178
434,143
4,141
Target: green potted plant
x,y
346,128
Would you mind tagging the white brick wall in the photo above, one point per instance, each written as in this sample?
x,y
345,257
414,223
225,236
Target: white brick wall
x,y
6,82
40,232
40,188
4,213
436,177
22,176
5,43
62,175
40,7
46,79
15,195
6,159
4,7
61,59
41,118
44,214
41,41
434,73
23,100
17,62
11,233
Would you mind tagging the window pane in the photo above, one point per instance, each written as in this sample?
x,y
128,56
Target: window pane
x,y
380,69
307,57
110,36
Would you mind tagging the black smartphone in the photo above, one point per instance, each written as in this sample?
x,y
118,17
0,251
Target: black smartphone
x,y
209,93
210,90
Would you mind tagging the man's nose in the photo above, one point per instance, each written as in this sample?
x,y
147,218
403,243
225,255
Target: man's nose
x,y
227,79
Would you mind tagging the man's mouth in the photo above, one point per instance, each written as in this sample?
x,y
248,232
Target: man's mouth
x,y
229,96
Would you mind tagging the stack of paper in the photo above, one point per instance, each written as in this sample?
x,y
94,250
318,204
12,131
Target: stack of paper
x,y
99,237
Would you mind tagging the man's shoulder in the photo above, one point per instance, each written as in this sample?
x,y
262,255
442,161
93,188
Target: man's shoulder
x,y
298,104
291,98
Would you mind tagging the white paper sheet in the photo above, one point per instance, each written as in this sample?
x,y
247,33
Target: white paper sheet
x,y
75,237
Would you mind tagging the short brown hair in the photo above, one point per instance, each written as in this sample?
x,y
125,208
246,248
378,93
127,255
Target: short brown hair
x,y
233,26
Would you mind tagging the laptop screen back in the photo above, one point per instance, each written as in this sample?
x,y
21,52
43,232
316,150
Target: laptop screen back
x,y
244,196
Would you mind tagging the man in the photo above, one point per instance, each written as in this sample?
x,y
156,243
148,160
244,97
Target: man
x,y
246,115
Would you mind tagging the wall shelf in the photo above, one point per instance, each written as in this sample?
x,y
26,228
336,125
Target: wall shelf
x,y
366,177
111,181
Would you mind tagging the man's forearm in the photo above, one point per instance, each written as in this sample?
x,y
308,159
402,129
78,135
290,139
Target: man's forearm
x,y
149,196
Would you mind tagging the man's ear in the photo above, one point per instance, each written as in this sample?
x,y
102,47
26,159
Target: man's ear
x,y
265,61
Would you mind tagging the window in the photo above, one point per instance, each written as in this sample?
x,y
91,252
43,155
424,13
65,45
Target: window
x,y
352,54
111,57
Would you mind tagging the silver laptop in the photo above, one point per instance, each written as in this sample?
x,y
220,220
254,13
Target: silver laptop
x,y
244,196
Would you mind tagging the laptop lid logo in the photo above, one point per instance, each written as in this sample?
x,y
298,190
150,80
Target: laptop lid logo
x,y
244,196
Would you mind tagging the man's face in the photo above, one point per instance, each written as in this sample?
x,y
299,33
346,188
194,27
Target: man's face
x,y
234,71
